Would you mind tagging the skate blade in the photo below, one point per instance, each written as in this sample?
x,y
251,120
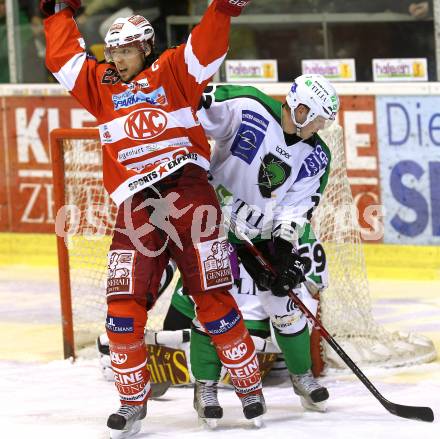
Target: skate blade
x,y
122,434
208,423
314,406
258,422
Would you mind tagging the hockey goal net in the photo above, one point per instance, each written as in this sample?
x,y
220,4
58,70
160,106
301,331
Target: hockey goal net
x,y
84,222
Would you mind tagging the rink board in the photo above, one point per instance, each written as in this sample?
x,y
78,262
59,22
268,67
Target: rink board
x,y
383,261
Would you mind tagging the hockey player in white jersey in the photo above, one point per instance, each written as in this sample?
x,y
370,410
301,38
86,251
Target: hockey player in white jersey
x,y
269,168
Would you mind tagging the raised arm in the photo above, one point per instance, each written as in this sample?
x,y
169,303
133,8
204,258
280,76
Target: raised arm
x,y
66,57
200,58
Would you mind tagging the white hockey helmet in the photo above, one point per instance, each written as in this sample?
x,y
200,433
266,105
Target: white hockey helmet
x,y
316,93
131,31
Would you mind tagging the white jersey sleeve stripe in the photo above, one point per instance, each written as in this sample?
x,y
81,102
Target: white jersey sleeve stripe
x,y
201,73
69,73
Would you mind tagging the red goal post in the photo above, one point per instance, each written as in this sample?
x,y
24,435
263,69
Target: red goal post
x,y
57,137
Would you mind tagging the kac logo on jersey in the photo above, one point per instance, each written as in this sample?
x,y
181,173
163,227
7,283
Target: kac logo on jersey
x,y
313,163
145,124
224,324
132,97
250,136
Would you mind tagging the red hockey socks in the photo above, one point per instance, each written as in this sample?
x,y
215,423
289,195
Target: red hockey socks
x,y
125,324
218,314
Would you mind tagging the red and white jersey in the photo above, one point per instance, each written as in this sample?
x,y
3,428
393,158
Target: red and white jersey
x,y
148,127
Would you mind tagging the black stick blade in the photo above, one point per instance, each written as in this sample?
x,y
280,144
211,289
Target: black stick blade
x,y
406,411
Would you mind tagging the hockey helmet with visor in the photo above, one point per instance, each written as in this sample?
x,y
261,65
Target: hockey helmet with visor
x,y
134,31
318,95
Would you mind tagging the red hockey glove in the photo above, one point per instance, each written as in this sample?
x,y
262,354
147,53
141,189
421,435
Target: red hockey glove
x,y
231,7
47,7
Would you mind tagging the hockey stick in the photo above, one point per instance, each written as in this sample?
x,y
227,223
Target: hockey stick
x,y
404,411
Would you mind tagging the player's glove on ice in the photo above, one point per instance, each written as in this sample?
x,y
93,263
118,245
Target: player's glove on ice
x,y
231,7
289,266
47,7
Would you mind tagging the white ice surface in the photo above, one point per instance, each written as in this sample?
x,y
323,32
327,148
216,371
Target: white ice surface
x,y
65,400
72,401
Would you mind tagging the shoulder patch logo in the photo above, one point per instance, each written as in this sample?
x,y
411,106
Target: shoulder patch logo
x,y
250,136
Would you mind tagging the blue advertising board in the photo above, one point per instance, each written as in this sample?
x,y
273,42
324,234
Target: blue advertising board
x,y
408,129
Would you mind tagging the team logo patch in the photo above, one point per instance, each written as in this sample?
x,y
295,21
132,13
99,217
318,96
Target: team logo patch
x,y
134,96
118,358
119,324
110,77
120,272
224,324
145,124
250,136
272,174
236,352
313,163
214,263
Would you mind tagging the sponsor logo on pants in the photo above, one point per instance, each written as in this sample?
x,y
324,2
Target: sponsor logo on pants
x,y
235,352
132,386
246,378
120,272
119,324
215,264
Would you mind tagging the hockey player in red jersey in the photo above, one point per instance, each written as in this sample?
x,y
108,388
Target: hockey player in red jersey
x,y
155,158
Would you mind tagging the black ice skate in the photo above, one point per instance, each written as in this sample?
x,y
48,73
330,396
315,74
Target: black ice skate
x,y
311,393
254,407
126,422
206,403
